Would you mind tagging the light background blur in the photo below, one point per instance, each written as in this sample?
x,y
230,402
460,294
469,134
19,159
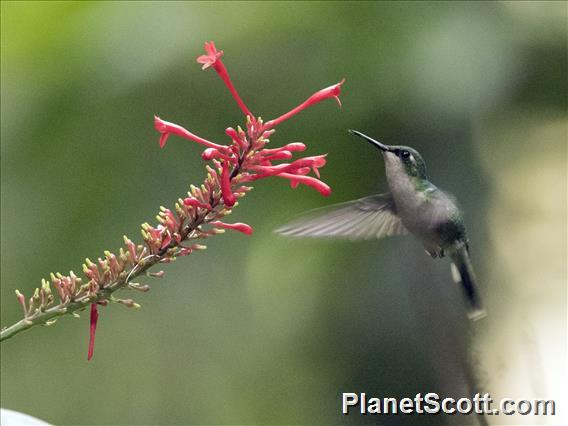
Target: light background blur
x,y
263,329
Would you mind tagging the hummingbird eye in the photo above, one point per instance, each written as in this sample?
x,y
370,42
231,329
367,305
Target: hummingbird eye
x,y
404,154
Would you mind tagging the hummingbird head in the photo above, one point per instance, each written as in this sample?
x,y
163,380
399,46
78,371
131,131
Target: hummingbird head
x,y
398,158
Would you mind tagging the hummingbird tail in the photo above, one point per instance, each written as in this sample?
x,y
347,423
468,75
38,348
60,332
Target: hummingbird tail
x,y
462,272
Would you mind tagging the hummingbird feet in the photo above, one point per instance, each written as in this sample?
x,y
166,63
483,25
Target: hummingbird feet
x,y
435,252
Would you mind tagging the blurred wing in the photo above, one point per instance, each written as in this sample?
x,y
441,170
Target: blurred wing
x,y
363,219
441,206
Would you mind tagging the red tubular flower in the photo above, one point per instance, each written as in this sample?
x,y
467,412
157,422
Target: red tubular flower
x,y
194,202
241,227
280,155
314,163
293,147
166,128
301,166
317,184
237,138
92,330
328,92
211,153
213,58
228,197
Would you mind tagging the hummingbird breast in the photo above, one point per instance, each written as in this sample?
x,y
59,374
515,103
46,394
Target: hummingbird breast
x,y
427,212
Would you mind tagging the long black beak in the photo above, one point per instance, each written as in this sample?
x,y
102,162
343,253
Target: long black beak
x,y
379,145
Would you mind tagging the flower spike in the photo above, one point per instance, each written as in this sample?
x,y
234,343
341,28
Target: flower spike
x,y
195,217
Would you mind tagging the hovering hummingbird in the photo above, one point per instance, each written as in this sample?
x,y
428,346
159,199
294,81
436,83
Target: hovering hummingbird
x,y
413,205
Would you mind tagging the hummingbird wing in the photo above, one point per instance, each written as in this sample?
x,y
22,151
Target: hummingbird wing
x,y
363,219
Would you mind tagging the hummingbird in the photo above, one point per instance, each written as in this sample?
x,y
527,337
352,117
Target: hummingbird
x,y
414,205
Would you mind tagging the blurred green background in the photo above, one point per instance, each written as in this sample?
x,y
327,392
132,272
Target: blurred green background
x,y
264,329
